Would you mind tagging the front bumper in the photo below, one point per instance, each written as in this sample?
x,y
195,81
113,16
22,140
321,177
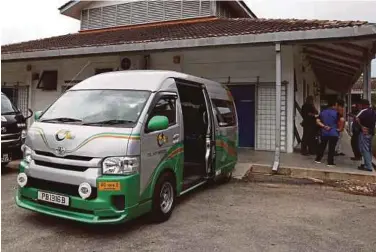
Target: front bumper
x,y
93,211
13,149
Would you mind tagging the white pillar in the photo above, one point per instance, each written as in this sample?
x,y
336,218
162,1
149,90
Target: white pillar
x,y
287,58
277,107
349,111
367,81
369,86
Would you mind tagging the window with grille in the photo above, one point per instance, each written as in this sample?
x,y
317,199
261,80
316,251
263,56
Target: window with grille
x,y
266,115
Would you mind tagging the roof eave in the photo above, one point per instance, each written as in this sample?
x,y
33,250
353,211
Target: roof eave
x,y
73,8
245,7
363,31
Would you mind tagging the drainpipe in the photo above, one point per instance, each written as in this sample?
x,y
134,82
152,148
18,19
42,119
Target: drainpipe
x,y
278,72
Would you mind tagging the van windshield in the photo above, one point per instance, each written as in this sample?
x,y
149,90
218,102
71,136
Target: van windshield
x,y
97,107
6,106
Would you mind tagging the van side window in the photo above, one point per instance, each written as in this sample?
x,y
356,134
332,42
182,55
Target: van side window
x,y
225,112
166,106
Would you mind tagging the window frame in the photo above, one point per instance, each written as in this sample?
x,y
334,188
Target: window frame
x,y
156,99
53,75
230,106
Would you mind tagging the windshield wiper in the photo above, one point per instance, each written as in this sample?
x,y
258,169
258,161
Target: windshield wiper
x,y
109,122
62,119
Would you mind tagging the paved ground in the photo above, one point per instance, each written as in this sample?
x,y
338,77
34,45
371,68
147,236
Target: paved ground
x,y
344,164
234,217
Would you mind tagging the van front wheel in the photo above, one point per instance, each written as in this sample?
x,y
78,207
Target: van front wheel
x,y
164,198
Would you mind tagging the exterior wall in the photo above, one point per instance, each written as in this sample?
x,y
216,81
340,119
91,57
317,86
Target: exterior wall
x,y
227,65
306,84
223,10
104,14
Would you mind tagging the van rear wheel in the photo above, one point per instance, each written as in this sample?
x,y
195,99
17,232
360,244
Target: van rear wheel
x,y
164,198
222,179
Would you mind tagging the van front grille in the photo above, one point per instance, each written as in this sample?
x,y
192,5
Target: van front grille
x,y
61,166
72,157
51,186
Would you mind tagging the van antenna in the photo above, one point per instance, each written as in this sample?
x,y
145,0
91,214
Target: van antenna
x,y
82,69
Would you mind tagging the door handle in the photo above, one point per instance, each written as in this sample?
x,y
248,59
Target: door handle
x,y
175,138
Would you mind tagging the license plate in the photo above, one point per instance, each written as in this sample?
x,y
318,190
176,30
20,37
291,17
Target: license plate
x,y
5,158
109,186
53,198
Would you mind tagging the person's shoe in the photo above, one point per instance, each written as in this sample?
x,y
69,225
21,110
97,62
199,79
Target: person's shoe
x,y
355,159
317,161
362,168
330,165
341,154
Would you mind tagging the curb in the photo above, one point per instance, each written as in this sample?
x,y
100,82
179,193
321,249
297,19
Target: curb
x,y
310,174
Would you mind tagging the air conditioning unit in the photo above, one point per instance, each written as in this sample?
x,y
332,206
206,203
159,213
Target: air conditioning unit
x,y
134,63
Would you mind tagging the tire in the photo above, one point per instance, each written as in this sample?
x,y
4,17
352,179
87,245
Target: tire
x,y
164,198
222,179
227,178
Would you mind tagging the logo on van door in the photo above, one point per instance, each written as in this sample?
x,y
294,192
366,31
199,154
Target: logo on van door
x,y
63,134
161,139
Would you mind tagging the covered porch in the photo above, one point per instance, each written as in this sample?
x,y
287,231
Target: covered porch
x,y
304,166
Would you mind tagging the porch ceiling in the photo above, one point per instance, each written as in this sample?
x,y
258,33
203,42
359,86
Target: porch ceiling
x,y
339,65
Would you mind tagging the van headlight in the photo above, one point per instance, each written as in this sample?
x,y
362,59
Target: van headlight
x,y
26,153
120,165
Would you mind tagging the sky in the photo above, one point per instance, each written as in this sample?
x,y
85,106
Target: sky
x,y
41,18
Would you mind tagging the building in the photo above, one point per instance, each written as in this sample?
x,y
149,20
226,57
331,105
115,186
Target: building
x,y
270,65
357,89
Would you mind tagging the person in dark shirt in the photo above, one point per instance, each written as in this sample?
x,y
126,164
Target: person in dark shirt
x,y
355,130
367,120
309,112
328,121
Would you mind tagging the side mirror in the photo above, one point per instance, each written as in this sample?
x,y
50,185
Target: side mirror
x,y
31,114
157,123
37,115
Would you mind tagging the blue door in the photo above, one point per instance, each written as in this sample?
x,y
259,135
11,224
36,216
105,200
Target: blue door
x,y
244,97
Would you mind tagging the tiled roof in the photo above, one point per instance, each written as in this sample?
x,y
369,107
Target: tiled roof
x,y
178,30
358,86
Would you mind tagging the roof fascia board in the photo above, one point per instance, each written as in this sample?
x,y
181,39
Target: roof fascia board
x,y
283,37
68,6
245,7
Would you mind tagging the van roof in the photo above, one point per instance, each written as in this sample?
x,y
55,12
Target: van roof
x,y
150,80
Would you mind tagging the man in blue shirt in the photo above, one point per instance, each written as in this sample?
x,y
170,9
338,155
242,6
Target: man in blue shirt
x,y
328,121
366,119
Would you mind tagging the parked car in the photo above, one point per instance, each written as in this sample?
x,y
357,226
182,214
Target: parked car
x,y
13,130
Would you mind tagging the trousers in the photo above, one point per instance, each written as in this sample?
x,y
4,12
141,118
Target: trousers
x,y
365,147
355,145
332,140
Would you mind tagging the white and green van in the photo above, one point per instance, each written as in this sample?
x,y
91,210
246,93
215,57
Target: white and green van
x,y
122,144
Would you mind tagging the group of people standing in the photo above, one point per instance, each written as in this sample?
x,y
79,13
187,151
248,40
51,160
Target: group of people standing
x,y
326,129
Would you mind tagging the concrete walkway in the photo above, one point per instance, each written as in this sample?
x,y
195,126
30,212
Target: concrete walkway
x,y
304,166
